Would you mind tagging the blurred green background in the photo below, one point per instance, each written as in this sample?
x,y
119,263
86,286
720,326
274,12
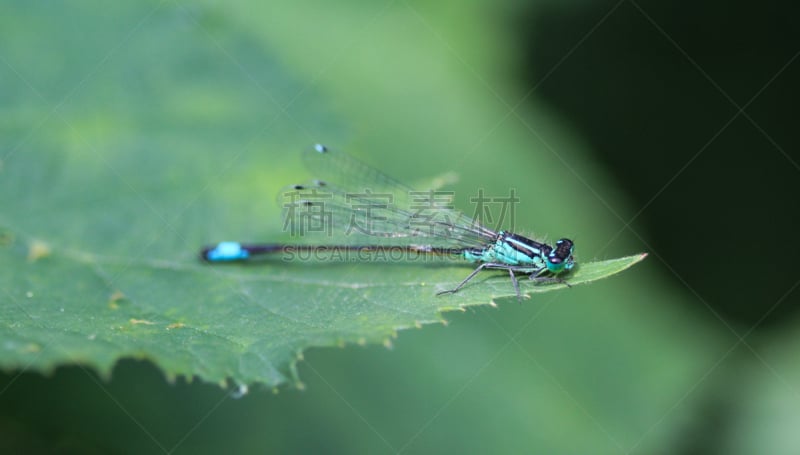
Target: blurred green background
x,y
620,121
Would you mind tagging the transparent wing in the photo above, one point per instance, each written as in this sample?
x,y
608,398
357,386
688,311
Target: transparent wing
x,y
354,204
353,176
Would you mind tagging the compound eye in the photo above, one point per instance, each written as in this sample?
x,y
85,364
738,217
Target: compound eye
x,y
554,264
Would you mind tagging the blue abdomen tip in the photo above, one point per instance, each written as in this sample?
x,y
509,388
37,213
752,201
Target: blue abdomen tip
x,y
227,251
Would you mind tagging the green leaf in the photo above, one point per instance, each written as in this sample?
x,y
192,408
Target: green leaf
x,y
149,154
246,322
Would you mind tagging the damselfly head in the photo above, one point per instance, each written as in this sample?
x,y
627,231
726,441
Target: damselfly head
x,y
560,259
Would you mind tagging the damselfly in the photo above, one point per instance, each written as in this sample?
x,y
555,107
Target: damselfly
x,y
363,210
